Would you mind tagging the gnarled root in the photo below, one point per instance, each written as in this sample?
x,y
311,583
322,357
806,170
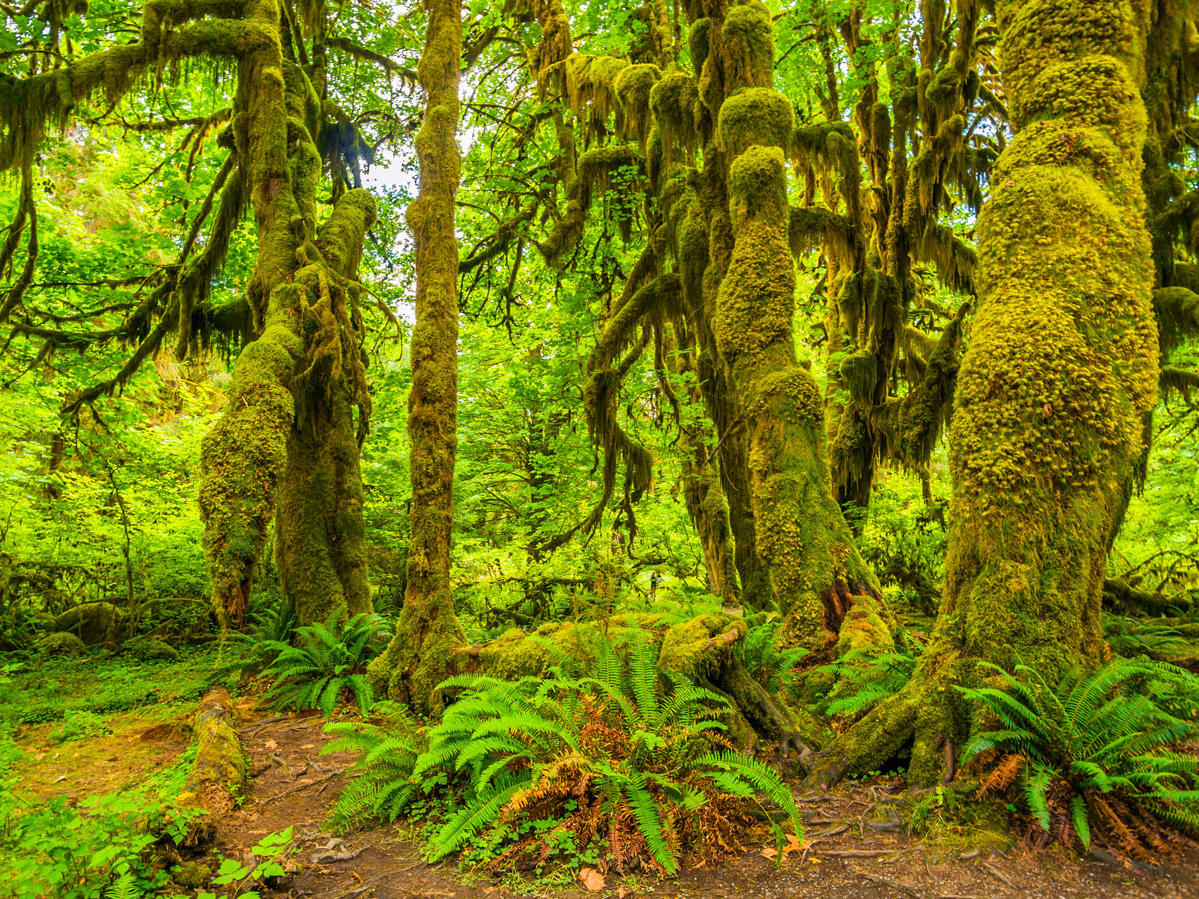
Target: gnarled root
x,y
928,714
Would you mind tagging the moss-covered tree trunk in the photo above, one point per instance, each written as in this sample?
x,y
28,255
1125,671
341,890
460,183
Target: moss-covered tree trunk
x,y
284,430
420,653
1060,371
825,593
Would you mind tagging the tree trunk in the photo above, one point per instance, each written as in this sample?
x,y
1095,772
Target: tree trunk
x,y
1060,370
419,656
816,577
287,426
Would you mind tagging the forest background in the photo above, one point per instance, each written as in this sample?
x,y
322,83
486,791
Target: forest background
x,y
596,469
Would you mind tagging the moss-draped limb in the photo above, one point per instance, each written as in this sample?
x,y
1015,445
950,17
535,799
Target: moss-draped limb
x,y
1059,374
419,655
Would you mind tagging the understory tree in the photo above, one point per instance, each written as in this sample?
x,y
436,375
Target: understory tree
x,y
1060,372
420,655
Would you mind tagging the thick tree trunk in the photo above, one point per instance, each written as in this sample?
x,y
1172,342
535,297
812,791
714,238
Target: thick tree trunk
x,y
1060,371
420,654
287,425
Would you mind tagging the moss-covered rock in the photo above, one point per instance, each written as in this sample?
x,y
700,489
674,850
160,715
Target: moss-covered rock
x,y
92,622
61,644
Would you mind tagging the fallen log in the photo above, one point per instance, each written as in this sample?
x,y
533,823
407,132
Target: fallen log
x,y
219,772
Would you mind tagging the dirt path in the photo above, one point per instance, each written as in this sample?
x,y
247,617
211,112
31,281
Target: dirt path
x,y
293,785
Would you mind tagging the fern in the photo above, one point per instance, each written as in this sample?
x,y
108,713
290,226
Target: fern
x,y
382,781
864,677
770,666
1111,736
625,756
124,887
327,663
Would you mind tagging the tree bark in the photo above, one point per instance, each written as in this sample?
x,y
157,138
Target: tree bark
x,y
285,437
419,656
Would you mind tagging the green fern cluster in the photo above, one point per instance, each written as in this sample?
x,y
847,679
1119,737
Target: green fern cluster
x,y
863,678
381,784
269,624
1097,753
767,664
329,660
1130,637
568,767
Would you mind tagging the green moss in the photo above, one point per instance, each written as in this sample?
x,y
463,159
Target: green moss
x,y
219,771
673,101
633,87
747,46
242,459
759,116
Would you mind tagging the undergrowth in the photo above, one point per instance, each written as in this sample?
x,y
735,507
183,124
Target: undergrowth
x,y
623,771
1098,756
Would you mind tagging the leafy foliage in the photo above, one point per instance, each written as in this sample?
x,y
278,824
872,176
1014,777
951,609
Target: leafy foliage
x,y
1098,754
53,847
568,767
328,661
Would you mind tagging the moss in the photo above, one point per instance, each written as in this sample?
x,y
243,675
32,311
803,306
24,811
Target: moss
x,y
1056,381
219,772
747,46
673,101
591,89
697,41
242,459
633,87
422,651
61,644
755,116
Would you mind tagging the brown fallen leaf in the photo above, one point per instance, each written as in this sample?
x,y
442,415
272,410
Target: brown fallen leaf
x,y
621,892
271,745
769,852
794,844
592,879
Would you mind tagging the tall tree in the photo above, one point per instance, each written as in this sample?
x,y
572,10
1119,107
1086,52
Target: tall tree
x,y
1060,371
420,653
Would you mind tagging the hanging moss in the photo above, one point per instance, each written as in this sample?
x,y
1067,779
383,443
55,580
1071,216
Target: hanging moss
x,y
697,41
633,87
673,101
591,89
747,45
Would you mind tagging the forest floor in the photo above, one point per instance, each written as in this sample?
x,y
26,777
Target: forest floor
x,y
293,785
